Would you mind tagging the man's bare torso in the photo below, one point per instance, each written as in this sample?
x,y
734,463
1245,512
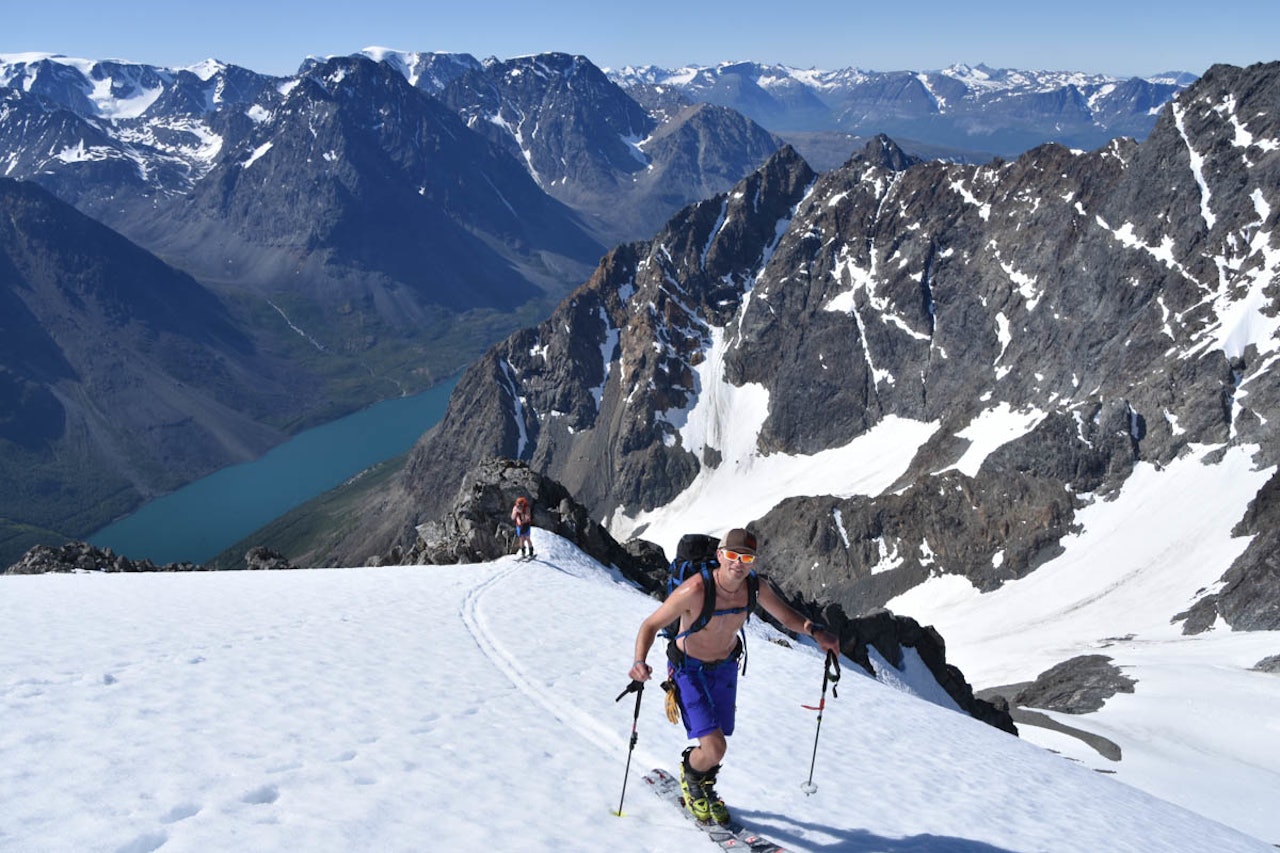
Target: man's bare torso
x,y
717,640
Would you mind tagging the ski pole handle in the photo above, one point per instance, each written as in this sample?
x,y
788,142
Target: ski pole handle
x,y
634,687
833,662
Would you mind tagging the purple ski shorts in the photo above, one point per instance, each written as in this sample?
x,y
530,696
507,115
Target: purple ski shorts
x,y
708,695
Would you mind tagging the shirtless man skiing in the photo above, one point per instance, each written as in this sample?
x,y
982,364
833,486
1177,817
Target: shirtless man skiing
x,y
703,664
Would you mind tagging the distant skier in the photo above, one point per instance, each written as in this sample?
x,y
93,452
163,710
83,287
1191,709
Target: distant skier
x,y
703,662
522,518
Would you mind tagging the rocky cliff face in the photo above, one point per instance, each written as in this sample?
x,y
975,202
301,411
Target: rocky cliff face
x,y
1121,304
558,394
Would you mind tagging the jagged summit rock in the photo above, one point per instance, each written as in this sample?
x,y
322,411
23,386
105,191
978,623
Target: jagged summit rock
x,y
262,558
477,525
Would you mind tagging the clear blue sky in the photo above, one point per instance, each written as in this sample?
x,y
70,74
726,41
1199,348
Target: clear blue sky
x,y
1120,37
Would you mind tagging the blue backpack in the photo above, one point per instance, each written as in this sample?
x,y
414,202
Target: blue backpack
x,y
696,554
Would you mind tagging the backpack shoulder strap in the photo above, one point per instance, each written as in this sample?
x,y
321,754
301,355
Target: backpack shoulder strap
x,y
708,603
708,600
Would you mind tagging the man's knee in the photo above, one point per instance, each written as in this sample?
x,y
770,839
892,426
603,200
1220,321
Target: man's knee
x,y
713,747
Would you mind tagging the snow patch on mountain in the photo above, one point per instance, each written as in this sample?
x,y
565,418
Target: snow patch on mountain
x,y
991,430
726,420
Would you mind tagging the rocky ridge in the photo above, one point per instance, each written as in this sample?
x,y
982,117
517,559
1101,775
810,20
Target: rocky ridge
x,y
1092,295
83,557
477,527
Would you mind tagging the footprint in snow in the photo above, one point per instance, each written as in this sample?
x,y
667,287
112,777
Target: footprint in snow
x,y
264,796
144,843
180,812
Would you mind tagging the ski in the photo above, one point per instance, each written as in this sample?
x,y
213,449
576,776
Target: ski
x,y
730,836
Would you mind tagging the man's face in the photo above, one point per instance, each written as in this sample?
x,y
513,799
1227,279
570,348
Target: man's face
x,y
732,562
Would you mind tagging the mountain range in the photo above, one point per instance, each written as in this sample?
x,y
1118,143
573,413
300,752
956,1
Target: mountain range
x,y
366,227
907,374
929,386
364,237
961,112
1117,301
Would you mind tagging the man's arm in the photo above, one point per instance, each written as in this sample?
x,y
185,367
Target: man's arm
x,y
670,610
788,616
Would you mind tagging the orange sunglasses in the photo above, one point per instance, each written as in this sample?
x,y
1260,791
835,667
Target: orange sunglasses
x,y
738,556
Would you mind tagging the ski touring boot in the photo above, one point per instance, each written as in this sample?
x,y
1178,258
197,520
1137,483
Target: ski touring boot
x,y
719,811
699,792
691,787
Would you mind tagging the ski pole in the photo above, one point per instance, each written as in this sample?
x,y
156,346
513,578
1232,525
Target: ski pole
x,y
636,687
828,677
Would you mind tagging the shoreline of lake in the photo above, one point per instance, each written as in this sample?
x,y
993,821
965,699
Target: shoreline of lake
x,y
198,521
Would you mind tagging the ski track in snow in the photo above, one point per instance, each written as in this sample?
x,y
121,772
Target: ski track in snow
x,y
477,623
473,707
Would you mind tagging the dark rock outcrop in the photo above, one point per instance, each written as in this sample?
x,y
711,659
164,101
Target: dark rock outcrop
x,y
1080,685
261,558
478,526
890,634
1249,599
83,557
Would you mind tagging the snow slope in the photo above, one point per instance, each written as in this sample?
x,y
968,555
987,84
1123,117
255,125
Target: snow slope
x,y
1201,728
473,707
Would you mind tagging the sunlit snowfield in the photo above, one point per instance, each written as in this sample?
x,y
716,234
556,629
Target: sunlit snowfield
x,y
473,707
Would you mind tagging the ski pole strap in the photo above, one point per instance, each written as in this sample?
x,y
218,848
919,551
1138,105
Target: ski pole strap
x,y
634,687
833,662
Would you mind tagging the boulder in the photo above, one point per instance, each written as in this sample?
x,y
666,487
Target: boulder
x,y
260,558
1080,685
